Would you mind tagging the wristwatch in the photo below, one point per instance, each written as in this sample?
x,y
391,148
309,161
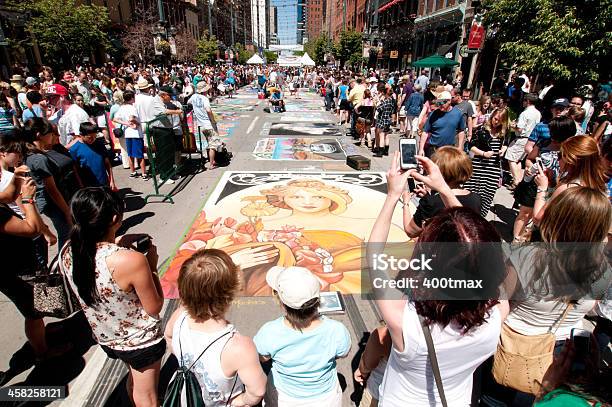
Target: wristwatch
x,y
541,190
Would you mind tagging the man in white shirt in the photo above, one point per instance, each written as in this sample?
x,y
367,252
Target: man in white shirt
x,y
525,124
204,121
423,79
72,115
145,102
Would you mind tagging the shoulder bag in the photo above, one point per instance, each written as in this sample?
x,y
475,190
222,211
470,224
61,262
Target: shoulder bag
x,y
53,296
433,360
185,383
521,360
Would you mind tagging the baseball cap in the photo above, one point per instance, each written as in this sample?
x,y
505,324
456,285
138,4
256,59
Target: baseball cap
x,y
166,89
57,89
295,285
445,95
561,102
31,81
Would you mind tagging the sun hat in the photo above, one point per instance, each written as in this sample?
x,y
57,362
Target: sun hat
x,y
16,78
295,285
143,84
57,89
202,87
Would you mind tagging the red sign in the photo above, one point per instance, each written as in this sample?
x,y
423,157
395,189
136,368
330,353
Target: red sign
x,y
477,33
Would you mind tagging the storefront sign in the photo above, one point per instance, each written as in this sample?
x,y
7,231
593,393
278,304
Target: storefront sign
x,y
393,54
477,33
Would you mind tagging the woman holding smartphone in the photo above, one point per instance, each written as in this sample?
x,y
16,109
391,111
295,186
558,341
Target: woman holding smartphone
x,y
118,289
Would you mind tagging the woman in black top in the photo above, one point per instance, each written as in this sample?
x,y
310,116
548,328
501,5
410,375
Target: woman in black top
x,y
456,168
18,260
53,172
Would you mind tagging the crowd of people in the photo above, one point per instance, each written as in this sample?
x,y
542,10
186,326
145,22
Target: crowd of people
x,y
57,152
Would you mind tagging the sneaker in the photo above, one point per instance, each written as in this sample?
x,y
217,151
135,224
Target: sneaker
x,y
134,174
146,177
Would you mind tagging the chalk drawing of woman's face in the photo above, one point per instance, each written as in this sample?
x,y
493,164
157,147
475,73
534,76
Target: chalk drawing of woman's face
x,y
307,201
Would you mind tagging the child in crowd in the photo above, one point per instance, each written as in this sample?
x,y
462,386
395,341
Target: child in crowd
x,y
92,158
229,372
302,344
127,118
372,365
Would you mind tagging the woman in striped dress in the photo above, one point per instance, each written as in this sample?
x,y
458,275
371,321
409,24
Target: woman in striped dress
x,y
486,148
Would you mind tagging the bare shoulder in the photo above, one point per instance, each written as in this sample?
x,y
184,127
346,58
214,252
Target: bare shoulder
x,y
239,344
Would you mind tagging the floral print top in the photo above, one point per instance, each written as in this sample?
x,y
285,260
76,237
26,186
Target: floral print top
x,y
118,320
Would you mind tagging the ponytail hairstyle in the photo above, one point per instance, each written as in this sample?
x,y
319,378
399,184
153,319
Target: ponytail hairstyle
x,y
93,210
33,129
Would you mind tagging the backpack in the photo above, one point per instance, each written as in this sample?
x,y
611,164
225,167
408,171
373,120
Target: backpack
x,y
185,380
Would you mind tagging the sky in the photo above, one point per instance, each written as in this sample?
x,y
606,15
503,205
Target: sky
x,y
287,20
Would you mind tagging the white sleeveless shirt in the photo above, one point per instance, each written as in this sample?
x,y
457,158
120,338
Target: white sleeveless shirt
x,y
409,380
118,320
216,387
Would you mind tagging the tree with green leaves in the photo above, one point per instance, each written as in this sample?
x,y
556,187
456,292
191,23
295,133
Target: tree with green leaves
x,y
206,51
242,54
563,39
65,30
270,56
349,48
318,47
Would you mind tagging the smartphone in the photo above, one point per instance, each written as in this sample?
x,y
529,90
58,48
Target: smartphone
x,y
582,345
408,151
143,244
411,184
539,163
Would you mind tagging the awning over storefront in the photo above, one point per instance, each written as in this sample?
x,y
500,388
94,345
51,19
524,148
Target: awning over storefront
x,y
435,61
389,4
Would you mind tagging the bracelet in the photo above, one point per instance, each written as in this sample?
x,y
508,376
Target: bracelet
x,y
541,190
25,201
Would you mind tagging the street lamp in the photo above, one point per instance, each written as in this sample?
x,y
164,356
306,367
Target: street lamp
x,y
163,34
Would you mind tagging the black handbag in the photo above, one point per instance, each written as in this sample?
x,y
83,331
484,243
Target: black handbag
x,y
184,380
118,132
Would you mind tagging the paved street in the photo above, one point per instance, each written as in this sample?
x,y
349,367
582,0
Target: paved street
x,y
93,378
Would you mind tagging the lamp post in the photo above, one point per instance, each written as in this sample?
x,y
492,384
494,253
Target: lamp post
x,y
163,31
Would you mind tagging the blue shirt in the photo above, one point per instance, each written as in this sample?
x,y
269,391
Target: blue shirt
x,y
91,158
414,104
343,92
443,127
540,134
6,119
35,111
303,363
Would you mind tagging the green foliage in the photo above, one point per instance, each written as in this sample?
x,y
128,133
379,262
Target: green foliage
x,y
562,39
270,56
242,54
206,51
317,47
66,32
349,47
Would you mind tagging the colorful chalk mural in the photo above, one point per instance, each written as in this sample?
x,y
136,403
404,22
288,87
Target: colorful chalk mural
x,y
299,149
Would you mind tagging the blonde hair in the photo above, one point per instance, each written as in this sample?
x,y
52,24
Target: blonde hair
x,y
455,165
504,122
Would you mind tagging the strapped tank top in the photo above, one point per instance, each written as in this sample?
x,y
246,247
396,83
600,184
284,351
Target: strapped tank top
x,y
216,387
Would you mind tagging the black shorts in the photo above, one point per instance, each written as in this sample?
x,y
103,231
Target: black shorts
x,y
525,193
345,104
21,294
139,358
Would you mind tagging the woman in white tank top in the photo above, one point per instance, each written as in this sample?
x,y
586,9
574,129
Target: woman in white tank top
x,y
229,372
464,333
